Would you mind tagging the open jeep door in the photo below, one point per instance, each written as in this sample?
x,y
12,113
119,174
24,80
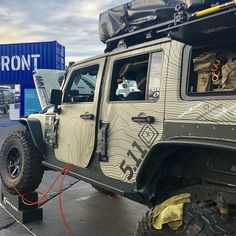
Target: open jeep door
x,y
77,120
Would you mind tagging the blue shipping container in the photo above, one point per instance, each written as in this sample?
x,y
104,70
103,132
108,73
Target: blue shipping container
x,y
18,61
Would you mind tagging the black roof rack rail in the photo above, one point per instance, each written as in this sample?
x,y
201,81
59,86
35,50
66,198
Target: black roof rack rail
x,y
196,31
139,36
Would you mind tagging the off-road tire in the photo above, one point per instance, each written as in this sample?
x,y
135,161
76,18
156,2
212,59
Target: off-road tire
x,y
30,171
198,220
104,191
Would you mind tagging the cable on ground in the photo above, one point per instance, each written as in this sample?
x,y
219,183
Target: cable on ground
x,y
27,202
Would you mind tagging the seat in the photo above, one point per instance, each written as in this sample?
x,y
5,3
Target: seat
x,y
74,95
137,95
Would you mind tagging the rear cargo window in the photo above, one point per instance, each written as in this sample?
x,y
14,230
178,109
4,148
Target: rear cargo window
x,y
212,71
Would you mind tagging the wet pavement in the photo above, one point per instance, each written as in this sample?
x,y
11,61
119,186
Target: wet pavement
x,y
88,212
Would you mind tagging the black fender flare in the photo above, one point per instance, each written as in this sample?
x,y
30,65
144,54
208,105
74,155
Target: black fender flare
x,y
159,152
34,127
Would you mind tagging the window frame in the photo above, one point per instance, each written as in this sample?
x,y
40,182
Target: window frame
x,y
68,84
149,74
149,53
185,76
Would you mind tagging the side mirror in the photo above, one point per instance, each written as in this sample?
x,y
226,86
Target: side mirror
x,y
56,97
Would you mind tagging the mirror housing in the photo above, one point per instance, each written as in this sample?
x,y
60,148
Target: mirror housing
x,y
56,97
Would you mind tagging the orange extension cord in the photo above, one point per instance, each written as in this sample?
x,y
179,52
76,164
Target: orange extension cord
x,y
41,200
60,202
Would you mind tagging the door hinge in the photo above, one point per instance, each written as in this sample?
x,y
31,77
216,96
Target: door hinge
x,y
103,142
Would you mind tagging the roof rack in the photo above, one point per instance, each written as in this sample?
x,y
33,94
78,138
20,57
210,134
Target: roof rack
x,y
194,29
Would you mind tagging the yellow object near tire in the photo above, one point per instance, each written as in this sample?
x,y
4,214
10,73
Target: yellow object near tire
x,y
198,219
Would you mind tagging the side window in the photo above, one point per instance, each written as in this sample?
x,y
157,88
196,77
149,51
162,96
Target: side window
x,y
130,78
82,84
212,72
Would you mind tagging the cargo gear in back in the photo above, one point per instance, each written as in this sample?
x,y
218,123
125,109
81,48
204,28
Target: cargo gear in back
x,y
203,65
229,76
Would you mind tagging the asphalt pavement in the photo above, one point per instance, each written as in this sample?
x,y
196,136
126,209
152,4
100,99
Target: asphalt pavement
x,y
88,212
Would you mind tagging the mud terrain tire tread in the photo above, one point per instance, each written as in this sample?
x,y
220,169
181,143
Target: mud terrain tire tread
x,y
31,168
201,221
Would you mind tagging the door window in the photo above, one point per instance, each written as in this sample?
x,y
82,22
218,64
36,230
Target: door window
x,y
130,78
82,85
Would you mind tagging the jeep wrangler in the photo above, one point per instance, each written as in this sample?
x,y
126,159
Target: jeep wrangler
x,y
153,117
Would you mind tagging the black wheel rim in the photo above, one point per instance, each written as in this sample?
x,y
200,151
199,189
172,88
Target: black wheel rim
x,y
14,163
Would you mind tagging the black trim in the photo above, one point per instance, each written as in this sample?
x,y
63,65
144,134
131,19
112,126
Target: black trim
x,y
202,143
35,129
73,172
94,175
202,131
207,29
152,164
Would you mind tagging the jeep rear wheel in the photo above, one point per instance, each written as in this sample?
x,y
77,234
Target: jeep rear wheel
x,y
198,220
20,163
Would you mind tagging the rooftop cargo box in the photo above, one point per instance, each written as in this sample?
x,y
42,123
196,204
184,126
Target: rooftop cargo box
x,y
139,14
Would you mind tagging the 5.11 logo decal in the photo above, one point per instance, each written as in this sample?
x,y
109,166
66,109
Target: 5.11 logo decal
x,y
147,135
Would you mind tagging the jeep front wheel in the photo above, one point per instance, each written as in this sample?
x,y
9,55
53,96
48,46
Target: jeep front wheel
x,y
198,220
20,163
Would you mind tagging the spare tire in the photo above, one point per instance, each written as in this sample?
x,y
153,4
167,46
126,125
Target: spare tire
x,y
20,163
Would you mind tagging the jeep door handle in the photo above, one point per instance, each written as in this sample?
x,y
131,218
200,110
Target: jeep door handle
x,y
87,117
143,119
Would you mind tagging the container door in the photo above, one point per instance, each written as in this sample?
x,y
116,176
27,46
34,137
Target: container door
x,y
133,110
77,121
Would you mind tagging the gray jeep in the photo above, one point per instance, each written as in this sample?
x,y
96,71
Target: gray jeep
x,y
152,118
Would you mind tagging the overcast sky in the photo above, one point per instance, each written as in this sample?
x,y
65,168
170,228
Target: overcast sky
x,y
73,23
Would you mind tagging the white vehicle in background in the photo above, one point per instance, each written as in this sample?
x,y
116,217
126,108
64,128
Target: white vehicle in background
x,y
127,87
